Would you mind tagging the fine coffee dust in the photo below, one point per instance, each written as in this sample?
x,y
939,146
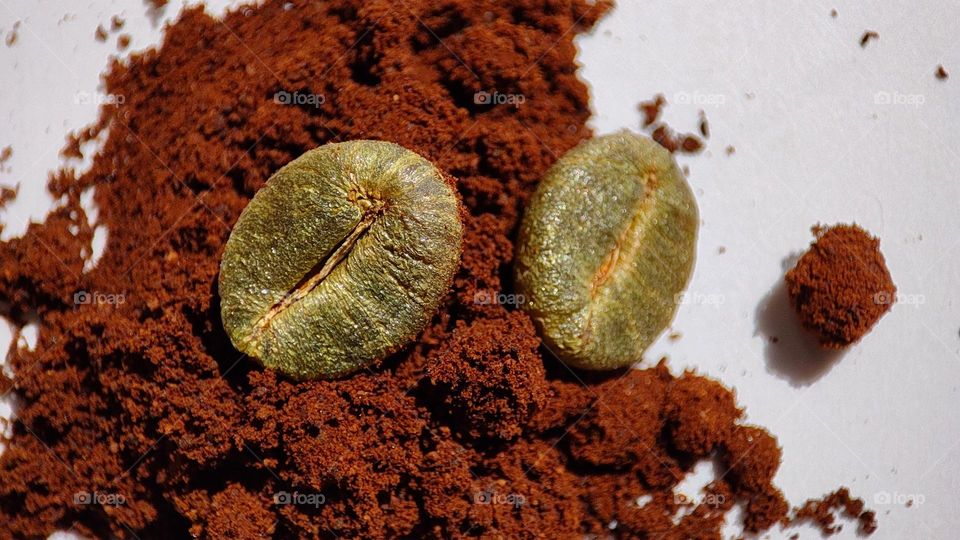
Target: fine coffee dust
x,y
136,417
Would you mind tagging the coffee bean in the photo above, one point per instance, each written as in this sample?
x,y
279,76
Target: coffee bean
x,y
606,246
340,259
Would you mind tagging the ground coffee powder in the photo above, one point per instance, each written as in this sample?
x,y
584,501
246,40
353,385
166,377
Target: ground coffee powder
x,y
138,419
841,286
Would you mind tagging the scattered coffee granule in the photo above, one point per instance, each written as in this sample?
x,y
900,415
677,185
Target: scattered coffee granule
x,y
147,400
7,194
6,154
691,144
116,23
123,41
867,36
665,138
651,110
721,250
841,286
13,35
833,13
823,513
662,134
674,336
730,150
686,143
941,73
100,34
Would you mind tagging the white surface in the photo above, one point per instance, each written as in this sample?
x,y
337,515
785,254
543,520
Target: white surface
x,y
816,143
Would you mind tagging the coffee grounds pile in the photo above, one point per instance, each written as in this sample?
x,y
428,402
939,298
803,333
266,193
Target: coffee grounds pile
x,y
138,419
823,513
841,286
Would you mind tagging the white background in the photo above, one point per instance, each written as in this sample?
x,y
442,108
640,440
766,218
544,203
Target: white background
x,y
824,131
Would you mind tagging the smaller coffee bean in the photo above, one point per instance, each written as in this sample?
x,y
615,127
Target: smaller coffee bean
x,y
340,259
606,245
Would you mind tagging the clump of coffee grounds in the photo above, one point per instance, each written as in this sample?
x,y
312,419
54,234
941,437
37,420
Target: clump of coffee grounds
x,y
138,419
841,286
823,513
7,194
941,73
867,36
651,109
490,376
687,143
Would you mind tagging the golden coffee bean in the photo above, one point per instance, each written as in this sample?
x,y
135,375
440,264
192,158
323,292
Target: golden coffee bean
x,y
340,259
606,246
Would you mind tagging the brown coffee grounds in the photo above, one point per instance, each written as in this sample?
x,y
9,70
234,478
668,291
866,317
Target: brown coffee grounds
x,y
7,194
13,35
867,36
116,23
651,110
686,143
100,34
5,154
941,73
823,513
731,150
134,400
489,376
833,13
841,286
123,41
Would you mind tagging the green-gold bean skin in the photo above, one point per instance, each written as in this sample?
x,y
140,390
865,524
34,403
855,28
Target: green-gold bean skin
x,y
606,246
340,259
